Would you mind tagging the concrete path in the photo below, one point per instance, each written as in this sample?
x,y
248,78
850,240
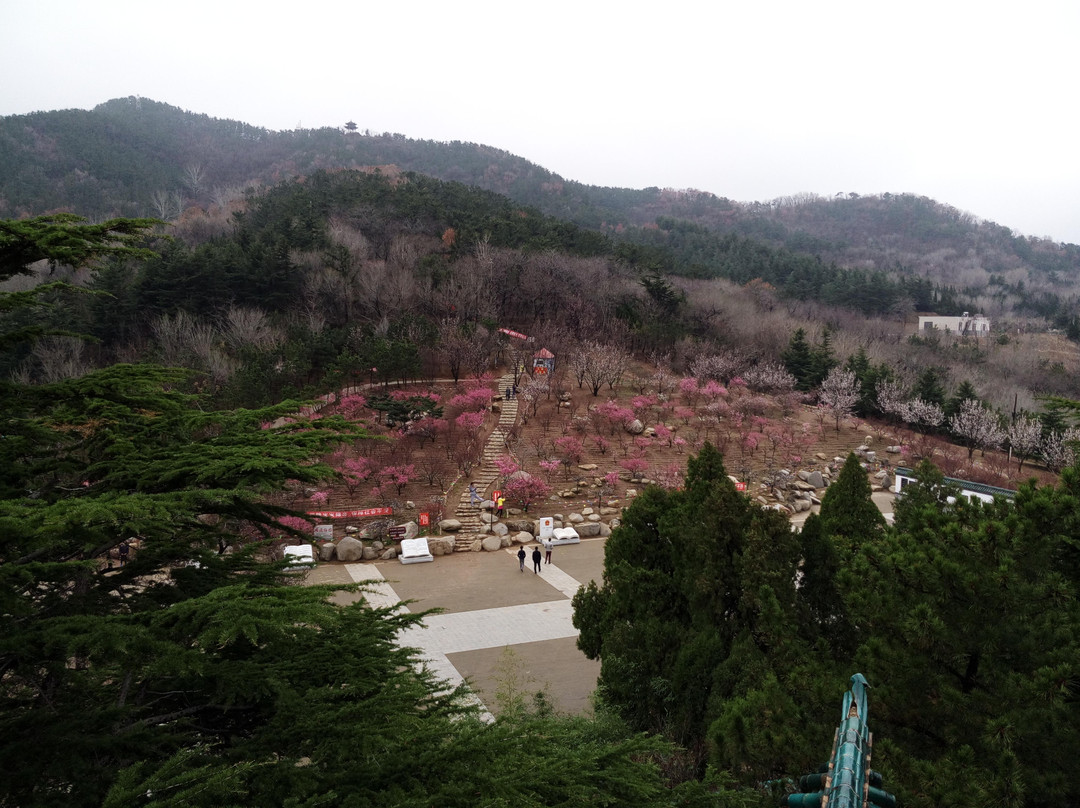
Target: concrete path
x,y
490,606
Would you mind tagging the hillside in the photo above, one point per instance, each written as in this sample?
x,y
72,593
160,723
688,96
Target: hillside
x,y
133,157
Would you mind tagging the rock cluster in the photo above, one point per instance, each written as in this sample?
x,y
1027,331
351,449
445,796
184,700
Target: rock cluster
x,y
356,546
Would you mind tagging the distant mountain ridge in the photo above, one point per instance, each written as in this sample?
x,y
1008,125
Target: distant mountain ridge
x,y
136,157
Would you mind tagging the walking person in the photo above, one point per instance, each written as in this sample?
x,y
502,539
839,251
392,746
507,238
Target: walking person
x,y
500,507
536,559
521,559
474,495
548,544
124,549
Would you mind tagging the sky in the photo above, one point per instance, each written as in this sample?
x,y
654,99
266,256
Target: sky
x,y
973,104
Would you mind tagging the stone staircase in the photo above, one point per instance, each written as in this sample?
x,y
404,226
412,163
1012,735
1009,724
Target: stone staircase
x,y
485,474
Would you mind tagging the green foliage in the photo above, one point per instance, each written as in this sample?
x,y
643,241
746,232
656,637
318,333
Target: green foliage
x,y
848,514
868,375
929,386
970,622
808,364
696,605
64,239
400,411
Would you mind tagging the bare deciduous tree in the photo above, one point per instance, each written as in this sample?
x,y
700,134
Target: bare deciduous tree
x,y
55,358
250,328
195,178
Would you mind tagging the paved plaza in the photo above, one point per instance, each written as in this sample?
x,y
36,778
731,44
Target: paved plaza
x,y
487,606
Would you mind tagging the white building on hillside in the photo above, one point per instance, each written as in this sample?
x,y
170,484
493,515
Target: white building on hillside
x,y
966,324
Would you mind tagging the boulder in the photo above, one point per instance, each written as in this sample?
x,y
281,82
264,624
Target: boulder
x,y
370,554
450,525
586,511
892,449
486,518
518,525
389,554
350,529
815,479
631,493
615,523
410,505
604,530
440,546
588,467
499,529
412,530
523,537
492,543
576,518
635,427
350,549
594,517
327,551
588,529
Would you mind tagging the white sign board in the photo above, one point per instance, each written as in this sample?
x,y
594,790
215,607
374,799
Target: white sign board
x,y
547,525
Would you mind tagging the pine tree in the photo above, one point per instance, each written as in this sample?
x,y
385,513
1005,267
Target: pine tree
x,y
798,359
848,513
697,603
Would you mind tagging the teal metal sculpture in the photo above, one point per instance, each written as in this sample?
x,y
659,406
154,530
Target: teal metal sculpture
x,y
846,781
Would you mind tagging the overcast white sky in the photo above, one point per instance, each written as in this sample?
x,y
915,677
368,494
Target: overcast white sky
x,y
971,103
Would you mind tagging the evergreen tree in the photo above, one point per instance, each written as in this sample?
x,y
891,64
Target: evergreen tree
x,y
928,387
798,359
869,375
822,359
698,606
965,391
970,628
848,513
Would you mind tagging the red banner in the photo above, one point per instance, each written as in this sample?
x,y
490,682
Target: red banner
x,y
353,514
425,520
510,333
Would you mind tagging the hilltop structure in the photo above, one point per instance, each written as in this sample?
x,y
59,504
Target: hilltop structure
x,y
965,325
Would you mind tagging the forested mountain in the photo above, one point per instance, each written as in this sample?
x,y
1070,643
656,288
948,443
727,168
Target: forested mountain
x,y
194,674
138,157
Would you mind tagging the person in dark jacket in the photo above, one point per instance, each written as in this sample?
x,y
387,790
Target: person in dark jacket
x,y
521,559
537,558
